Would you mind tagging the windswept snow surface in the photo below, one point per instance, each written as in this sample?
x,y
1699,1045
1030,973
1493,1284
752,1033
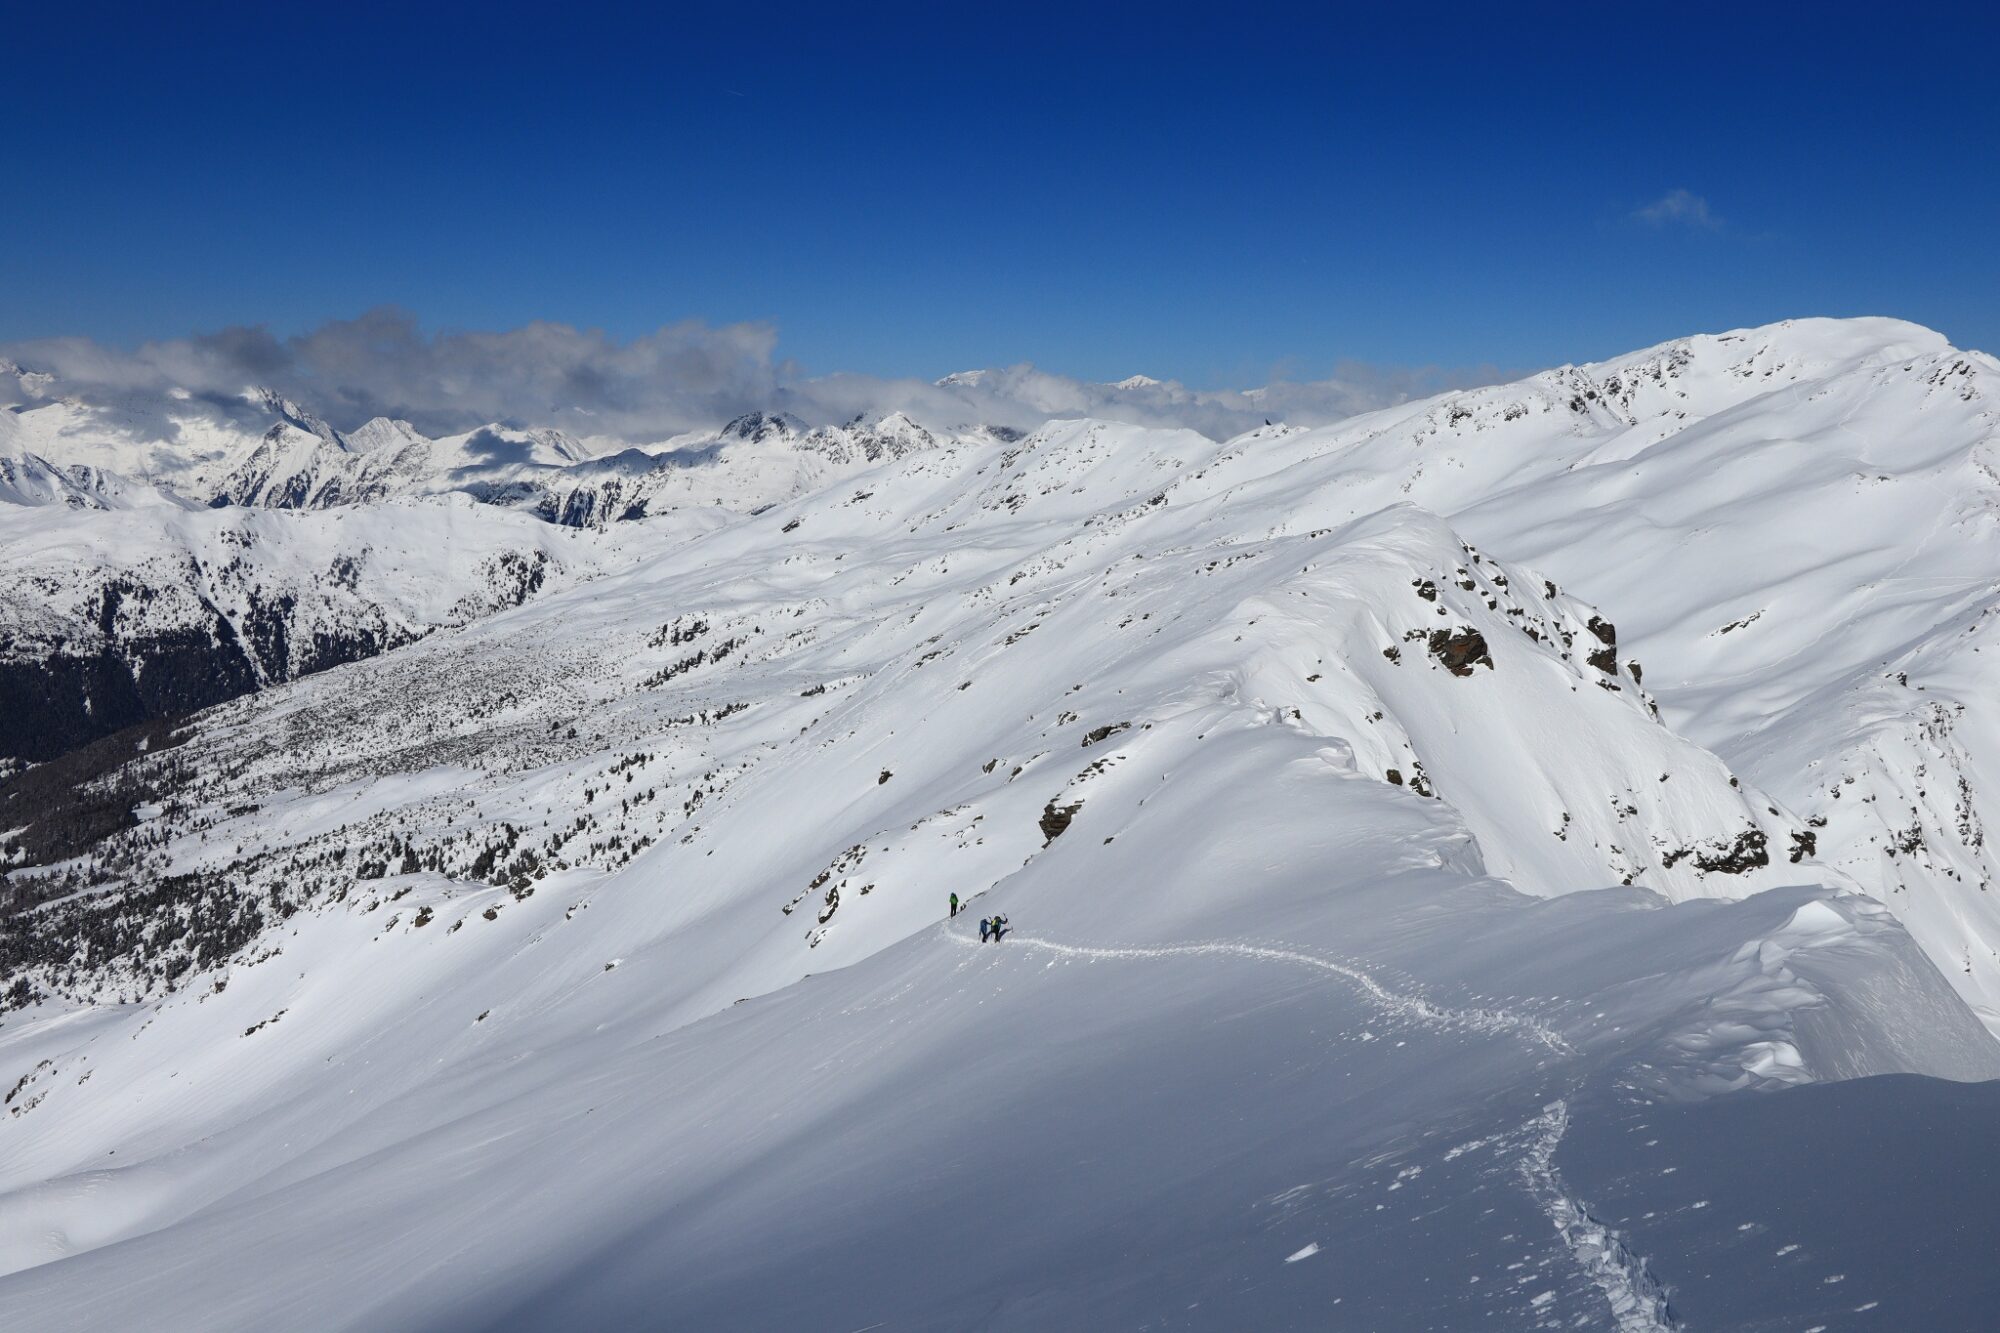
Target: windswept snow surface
x,y
585,965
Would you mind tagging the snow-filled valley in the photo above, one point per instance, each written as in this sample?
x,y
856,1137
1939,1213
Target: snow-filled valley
x,y
1515,859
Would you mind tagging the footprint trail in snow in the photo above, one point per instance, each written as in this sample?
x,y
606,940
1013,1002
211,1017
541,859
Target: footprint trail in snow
x,y
1638,1304
1399,1003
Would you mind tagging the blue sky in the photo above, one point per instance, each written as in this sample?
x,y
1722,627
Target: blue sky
x,y
1216,195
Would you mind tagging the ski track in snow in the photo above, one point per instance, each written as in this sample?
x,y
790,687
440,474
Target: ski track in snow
x,y
1398,1003
1638,1304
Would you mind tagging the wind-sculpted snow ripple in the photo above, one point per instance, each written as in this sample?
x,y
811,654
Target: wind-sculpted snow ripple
x,y
1402,1004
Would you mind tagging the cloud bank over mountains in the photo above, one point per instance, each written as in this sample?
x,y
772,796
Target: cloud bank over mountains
x,y
684,376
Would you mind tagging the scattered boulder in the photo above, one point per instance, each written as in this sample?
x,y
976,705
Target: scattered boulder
x,y
1605,659
1740,857
1056,818
1459,651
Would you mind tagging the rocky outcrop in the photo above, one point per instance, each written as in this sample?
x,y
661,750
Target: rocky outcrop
x,y
1459,651
1055,820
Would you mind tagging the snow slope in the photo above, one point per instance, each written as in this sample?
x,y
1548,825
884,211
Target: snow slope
x,y
1795,526
114,615
586,963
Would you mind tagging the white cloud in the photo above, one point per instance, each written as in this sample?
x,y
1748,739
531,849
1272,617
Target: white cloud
x,y
1682,208
681,377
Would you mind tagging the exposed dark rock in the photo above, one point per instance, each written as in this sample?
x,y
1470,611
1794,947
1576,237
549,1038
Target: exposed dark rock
x,y
1804,843
1747,853
1101,733
1056,819
1459,651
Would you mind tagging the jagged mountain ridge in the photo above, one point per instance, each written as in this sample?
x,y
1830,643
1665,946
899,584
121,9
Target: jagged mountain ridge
x,y
266,450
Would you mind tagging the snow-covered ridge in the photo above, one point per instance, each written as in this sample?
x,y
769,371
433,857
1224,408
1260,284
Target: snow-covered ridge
x,y
1393,803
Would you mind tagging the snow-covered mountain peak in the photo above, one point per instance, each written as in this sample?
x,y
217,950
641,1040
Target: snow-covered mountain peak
x,y
29,385
292,413
756,427
378,433
26,479
495,446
